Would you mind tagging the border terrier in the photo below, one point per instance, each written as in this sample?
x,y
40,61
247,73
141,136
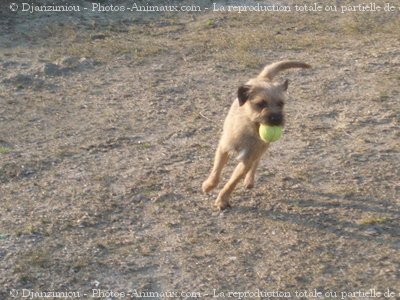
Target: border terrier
x,y
259,101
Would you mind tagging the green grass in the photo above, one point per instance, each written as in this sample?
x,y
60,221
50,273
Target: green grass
x,y
374,221
210,22
4,150
27,230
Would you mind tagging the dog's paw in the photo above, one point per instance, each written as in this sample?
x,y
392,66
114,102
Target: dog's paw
x,y
208,185
248,183
222,205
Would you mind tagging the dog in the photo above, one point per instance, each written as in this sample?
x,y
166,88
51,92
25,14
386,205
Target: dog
x,y
259,101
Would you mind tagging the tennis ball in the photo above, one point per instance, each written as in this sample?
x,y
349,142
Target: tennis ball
x,y
270,134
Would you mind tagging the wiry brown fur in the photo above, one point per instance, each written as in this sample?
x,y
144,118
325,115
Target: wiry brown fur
x,y
259,101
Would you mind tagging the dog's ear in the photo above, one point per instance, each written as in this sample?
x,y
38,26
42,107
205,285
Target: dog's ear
x,y
285,85
243,94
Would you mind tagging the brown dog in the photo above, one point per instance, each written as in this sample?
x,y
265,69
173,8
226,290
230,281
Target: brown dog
x,y
259,101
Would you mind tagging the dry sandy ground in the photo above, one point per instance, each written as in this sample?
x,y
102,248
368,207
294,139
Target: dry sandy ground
x,y
108,126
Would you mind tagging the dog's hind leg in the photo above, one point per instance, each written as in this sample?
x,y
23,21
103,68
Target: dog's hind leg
x,y
221,157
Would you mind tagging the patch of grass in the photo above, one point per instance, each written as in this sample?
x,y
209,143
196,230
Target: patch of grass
x,y
142,145
374,221
4,150
27,230
210,22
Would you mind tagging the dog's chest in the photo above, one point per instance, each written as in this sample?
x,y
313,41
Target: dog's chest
x,y
250,148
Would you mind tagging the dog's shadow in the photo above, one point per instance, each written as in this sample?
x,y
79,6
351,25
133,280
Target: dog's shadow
x,y
326,212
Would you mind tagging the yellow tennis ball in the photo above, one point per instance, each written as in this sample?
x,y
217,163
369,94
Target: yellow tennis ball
x,y
270,134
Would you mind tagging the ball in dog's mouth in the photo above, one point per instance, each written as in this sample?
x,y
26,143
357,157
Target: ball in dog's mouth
x,y
270,134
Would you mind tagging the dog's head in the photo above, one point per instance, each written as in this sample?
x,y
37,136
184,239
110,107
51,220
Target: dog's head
x,y
263,103
262,100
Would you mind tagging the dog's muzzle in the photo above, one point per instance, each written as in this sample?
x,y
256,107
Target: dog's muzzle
x,y
275,119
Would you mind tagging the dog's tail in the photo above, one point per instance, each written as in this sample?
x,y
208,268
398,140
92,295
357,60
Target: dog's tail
x,y
270,71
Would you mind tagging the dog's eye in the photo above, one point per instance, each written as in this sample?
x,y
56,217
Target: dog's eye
x,y
262,105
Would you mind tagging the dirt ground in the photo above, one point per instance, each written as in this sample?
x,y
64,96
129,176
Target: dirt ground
x,y
108,127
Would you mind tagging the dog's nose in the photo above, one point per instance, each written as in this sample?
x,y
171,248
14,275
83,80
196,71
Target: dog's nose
x,y
276,119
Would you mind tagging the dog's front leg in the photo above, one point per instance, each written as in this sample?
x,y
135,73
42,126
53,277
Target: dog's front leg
x,y
249,179
240,171
221,157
